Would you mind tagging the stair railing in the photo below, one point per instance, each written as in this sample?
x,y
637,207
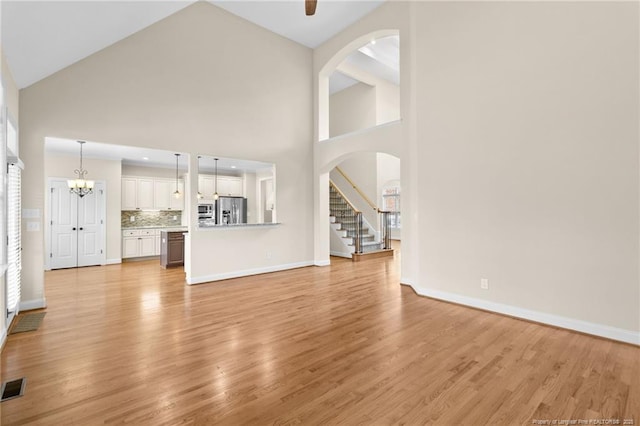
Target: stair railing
x,y
383,216
385,228
354,216
358,190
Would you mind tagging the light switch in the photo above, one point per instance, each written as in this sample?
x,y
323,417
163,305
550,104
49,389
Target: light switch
x,y
33,226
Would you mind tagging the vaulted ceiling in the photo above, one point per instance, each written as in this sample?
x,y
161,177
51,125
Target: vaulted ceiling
x,y
40,38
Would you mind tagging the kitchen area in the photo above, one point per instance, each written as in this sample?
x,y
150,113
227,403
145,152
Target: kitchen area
x,y
235,192
151,220
140,207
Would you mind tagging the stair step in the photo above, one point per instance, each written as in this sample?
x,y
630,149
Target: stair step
x,y
372,254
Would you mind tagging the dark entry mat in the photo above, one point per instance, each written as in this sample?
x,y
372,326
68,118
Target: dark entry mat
x,y
28,322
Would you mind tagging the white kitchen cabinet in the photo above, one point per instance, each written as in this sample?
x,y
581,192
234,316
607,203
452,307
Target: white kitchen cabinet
x,y
139,193
140,243
158,245
161,194
148,246
165,195
130,247
230,186
176,203
227,186
129,193
206,187
145,194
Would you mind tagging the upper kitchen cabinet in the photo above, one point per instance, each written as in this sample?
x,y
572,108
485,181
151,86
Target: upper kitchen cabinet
x,y
206,187
164,195
227,186
230,186
141,193
137,193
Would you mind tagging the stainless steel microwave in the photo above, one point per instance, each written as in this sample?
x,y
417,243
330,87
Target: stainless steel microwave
x,y
205,211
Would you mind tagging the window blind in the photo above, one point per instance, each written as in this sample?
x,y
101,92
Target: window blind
x,y
14,246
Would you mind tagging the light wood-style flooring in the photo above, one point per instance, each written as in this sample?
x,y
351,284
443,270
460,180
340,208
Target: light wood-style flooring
x,y
344,344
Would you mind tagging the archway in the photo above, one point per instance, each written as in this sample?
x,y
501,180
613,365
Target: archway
x,y
360,177
328,69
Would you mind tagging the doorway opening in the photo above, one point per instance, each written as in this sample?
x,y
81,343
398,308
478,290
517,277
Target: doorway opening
x,y
359,188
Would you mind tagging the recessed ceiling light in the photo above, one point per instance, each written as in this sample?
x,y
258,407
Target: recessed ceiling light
x,y
145,158
233,167
373,41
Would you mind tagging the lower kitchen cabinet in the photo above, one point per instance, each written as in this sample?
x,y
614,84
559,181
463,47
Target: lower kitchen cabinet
x,y
172,251
140,243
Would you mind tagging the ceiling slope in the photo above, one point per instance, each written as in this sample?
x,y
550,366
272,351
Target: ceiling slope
x,y
40,38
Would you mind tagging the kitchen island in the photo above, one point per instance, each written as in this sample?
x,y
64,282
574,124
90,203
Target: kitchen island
x,y
172,248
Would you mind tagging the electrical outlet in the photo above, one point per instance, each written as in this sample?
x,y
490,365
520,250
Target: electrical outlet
x,y
268,255
175,217
484,283
133,219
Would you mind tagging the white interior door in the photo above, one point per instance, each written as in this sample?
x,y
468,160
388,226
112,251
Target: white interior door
x,y
90,223
77,226
64,220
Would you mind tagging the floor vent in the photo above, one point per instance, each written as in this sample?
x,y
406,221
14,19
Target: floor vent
x,y
13,389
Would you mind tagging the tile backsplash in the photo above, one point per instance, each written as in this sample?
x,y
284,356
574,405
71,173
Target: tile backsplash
x,y
150,218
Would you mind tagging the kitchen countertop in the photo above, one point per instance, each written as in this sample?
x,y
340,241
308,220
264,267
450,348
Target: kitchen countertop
x,y
237,225
163,228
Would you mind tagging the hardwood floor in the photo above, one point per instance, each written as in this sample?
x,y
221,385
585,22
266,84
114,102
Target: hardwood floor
x,y
344,344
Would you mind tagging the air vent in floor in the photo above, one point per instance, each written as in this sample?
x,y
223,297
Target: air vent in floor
x,y
13,389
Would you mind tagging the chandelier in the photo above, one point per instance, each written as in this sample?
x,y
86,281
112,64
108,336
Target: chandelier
x,y
80,186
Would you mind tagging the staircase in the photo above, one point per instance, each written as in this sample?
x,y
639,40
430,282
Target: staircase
x,y
343,221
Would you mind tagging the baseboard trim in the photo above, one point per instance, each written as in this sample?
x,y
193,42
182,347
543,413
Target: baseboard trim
x,y
28,305
322,262
600,330
340,254
113,261
3,339
248,272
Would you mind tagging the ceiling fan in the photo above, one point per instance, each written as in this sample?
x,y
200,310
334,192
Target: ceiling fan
x,y
310,6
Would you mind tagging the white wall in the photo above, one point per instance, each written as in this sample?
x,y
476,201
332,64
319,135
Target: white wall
x,y
363,105
519,139
59,166
250,192
528,129
159,172
351,109
11,92
387,102
183,84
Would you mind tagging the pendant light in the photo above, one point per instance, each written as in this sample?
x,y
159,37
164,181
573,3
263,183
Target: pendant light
x,y
176,194
200,196
215,195
80,186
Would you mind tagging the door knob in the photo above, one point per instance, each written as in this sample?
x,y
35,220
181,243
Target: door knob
x,y
82,229
73,229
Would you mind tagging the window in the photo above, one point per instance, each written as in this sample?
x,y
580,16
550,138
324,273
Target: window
x,y
14,258
391,203
14,237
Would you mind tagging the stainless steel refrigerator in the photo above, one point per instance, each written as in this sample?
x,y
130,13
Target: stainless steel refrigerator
x,y
231,210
